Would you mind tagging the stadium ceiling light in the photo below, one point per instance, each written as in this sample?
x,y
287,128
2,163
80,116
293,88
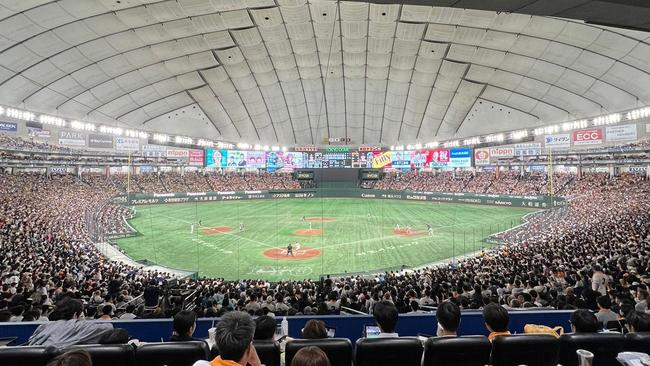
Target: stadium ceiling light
x,y
20,114
275,148
183,140
518,135
266,148
2,111
418,146
86,126
50,120
257,147
607,120
161,137
284,148
632,115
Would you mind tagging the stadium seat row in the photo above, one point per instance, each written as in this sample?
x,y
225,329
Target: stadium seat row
x,y
530,350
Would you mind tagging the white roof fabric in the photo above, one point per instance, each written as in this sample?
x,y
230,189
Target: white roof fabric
x,y
298,71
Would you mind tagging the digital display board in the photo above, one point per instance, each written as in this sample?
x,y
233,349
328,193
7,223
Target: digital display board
x,y
339,158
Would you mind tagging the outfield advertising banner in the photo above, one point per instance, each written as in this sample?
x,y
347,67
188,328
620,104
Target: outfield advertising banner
x,y
561,141
154,151
460,158
196,157
381,160
528,149
127,144
591,136
100,141
178,154
540,202
38,133
502,152
482,156
621,133
72,138
8,126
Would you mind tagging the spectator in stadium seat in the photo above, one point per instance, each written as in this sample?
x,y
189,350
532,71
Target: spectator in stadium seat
x,y
72,358
234,339
638,321
642,300
70,329
106,313
129,314
448,316
314,329
584,321
599,280
184,326
385,314
496,320
604,313
310,356
264,328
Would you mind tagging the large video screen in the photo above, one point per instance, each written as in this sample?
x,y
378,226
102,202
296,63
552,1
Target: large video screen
x,y
284,161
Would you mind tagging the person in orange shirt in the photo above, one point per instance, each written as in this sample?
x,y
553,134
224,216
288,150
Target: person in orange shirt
x,y
234,340
496,320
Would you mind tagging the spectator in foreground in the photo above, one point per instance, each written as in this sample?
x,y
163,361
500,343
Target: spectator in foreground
x,y
583,321
496,320
385,314
264,328
234,339
70,328
314,329
184,327
448,316
638,322
72,358
310,356
604,314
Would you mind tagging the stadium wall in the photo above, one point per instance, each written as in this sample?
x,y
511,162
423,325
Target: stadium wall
x,y
347,326
470,198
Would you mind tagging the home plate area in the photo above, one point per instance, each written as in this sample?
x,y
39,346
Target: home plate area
x,y
298,254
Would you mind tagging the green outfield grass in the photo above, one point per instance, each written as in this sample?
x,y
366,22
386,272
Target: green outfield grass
x,y
361,238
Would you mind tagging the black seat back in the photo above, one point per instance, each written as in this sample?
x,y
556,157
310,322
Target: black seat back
x,y
338,350
637,342
525,349
107,354
604,346
171,353
403,351
268,351
457,351
26,355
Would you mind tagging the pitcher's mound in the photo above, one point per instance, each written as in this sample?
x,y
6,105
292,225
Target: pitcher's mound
x,y
302,253
309,232
404,232
216,230
320,219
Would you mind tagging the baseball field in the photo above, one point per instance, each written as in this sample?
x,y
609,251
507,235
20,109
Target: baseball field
x,y
249,239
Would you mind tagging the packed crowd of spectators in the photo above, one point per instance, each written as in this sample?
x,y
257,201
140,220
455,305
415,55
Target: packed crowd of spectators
x,y
510,182
565,258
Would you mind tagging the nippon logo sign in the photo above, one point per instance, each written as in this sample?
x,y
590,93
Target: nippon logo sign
x,y
588,137
502,152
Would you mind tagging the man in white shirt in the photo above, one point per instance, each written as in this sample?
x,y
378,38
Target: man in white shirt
x,y
599,280
385,314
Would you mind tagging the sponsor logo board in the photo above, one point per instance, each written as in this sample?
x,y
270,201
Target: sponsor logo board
x,y
72,138
100,141
127,144
591,136
557,141
8,126
621,133
482,156
502,152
